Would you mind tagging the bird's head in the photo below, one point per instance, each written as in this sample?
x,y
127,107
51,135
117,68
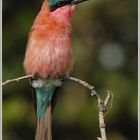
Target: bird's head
x,y
54,4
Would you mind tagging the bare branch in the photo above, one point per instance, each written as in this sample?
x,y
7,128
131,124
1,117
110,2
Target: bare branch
x,y
101,104
16,79
85,84
109,95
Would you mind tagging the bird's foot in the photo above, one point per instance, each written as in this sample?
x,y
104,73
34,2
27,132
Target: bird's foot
x,y
63,77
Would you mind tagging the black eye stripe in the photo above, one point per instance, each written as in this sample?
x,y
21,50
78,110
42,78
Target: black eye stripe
x,y
59,4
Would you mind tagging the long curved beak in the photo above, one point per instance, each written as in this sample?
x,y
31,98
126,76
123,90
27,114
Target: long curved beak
x,y
74,2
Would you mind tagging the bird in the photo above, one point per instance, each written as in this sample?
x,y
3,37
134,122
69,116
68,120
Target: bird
x,y
49,58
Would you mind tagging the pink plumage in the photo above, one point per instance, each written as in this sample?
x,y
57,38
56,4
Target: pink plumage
x,y
49,49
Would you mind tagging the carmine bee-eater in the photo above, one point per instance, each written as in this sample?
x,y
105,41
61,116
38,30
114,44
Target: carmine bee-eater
x,y
49,57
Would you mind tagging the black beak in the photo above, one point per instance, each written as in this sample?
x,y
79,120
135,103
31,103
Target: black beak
x,y
61,3
74,2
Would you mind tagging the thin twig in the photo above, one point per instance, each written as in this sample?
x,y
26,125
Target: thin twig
x,y
16,79
85,84
101,104
109,94
109,97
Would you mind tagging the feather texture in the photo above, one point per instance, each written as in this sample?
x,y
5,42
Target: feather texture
x,y
49,49
43,96
43,129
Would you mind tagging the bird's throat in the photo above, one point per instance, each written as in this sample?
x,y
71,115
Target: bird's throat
x,y
64,13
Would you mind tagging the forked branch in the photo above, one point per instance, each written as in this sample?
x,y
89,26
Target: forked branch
x,y
101,104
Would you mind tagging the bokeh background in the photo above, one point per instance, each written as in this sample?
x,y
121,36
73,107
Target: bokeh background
x,y
105,55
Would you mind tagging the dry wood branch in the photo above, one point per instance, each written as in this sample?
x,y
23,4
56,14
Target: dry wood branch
x,y
101,104
108,97
16,79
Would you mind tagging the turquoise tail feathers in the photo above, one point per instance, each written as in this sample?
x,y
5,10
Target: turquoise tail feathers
x,y
43,98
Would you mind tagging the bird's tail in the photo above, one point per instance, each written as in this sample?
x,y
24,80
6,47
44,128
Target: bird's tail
x,y
43,128
44,96
45,99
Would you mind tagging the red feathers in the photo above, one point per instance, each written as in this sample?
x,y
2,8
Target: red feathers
x,y
49,47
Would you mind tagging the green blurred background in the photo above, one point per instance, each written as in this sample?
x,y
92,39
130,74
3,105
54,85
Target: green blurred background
x,y
105,55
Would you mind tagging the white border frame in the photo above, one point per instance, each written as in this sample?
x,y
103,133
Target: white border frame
x,y
1,69
138,72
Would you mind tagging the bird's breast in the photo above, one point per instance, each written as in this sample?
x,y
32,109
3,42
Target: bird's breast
x,y
49,55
